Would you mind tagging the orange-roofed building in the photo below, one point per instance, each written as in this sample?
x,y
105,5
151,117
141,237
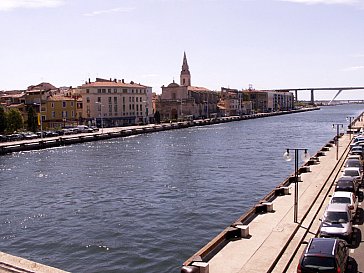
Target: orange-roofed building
x,y
115,103
59,111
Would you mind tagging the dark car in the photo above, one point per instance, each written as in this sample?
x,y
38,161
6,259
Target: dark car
x,y
327,255
3,138
347,185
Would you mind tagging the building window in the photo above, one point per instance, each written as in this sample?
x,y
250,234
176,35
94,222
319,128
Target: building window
x,y
109,100
115,90
88,99
125,91
63,104
73,114
53,114
109,90
98,90
98,99
123,100
52,104
136,99
72,104
103,91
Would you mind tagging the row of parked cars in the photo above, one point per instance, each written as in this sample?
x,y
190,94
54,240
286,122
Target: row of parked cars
x,y
65,131
329,252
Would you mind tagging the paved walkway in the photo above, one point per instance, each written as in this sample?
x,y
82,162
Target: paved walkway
x,y
270,232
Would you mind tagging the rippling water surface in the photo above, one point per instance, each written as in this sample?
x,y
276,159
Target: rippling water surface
x,y
147,203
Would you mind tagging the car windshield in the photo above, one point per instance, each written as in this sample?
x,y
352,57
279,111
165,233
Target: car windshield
x,y
318,262
345,200
353,163
336,217
351,173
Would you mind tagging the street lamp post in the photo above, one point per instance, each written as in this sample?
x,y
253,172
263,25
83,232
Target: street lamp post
x,y
349,127
181,109
338,126
102,121
288,157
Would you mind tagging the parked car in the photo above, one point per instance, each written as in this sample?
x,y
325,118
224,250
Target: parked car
x,y
14,137
357,150
51,133
83,129
356,143
346,185
324,255
358,157
349,198
354,163
3,138
29,135
354,172
337,222
94,128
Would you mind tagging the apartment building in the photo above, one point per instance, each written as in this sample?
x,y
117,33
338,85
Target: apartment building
x,y
115,103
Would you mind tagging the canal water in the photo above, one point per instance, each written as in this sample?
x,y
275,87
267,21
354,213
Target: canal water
x,y
147,203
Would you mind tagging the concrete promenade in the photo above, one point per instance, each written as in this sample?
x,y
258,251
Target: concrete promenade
x,y
272,242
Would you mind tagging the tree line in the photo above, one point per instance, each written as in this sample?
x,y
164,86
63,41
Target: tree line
x,y
12,120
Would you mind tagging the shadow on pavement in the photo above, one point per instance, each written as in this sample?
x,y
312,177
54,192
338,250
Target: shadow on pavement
x,y
352,266
359,217
356,238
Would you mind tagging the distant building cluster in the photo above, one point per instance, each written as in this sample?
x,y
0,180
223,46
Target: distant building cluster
x,y
115,102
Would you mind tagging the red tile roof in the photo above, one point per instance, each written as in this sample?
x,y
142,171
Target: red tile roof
x,y
112,84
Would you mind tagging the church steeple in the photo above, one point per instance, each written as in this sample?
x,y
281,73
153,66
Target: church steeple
x,y
185,79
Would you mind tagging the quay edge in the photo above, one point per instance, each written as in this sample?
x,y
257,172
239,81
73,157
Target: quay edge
x,y
238,231
37,144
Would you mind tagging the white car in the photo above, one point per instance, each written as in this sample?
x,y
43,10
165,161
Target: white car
x,y
337,222
344,197
354,172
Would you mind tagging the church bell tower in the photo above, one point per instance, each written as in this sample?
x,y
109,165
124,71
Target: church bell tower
x,y
185,78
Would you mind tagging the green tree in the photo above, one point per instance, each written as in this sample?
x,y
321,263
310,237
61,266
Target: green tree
x,y
32,120
14,120
2,120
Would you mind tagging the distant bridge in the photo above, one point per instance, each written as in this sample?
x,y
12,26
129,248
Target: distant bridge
x,y
339,89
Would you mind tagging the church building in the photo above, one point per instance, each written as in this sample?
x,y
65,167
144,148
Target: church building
x,y
183,101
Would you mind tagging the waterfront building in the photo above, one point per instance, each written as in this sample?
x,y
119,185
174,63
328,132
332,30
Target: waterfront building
x,y
233,102
60,111
114,102
182,101
269,101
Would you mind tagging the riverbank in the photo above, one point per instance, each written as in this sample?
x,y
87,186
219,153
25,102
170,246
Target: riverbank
x,y
108,133
267,229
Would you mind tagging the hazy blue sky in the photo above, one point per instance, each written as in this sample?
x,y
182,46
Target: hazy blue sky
x,y
231,43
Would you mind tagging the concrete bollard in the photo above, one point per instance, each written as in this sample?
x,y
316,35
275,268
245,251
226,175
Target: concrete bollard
x,y
203,267
269,206
244,230
190,269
